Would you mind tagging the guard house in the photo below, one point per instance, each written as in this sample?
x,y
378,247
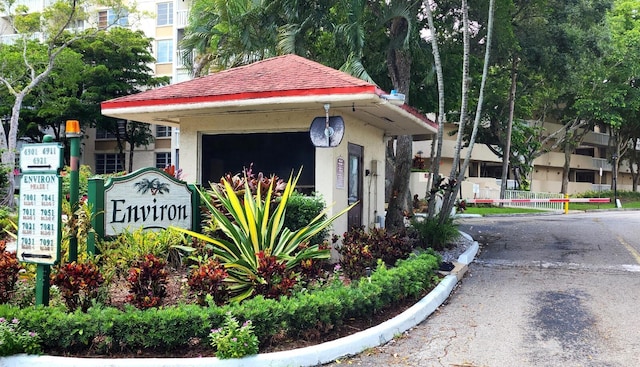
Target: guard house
x,y
262,114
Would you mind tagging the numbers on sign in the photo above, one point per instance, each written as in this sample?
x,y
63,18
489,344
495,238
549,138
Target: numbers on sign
x,y
47,197
45,212
46,227
27,242
27,226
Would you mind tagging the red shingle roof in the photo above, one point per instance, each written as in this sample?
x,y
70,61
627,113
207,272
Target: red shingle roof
x,y
282,76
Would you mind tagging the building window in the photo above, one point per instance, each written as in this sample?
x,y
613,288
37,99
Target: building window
x,y
75,25
111,17
108,163
163,131
104,134
163,160
164,51
165,14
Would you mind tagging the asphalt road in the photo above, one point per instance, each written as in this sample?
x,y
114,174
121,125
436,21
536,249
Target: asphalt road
x,y
559,290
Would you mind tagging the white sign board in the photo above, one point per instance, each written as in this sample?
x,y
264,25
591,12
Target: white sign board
x,y
40,157
39,218
149,200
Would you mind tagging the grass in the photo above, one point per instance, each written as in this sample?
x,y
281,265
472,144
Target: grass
x,y
493,210
611,205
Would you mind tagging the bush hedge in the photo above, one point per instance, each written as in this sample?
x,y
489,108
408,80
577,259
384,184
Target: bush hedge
x,y
105,329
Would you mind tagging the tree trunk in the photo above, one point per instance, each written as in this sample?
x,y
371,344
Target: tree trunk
x,y
400,189
9,154
389,169
399,65
450,196
436,145
506,155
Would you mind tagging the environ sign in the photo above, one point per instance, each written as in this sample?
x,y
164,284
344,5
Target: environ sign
x,y
149,199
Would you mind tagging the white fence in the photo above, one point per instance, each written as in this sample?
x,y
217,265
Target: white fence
x,y
533,200
516,194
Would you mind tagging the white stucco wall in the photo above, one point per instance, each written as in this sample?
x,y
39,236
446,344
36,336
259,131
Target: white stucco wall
x,y
356,131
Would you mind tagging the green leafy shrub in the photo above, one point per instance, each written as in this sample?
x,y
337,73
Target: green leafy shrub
x,y
623,195
147,282
13,340
79,284
8,220
233,340
257,227
108,329
84,173
432,234
130,246
24,294
301,210
9,268
209,279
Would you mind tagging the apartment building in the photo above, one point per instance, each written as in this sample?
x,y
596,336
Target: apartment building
x,y
590,168
162,20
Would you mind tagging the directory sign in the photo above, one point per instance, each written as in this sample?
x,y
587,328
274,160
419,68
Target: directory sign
x,y
39,218
41,157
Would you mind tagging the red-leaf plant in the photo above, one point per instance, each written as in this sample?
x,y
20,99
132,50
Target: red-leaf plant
x,y
9,268
79,283
209,279
147,282
274,280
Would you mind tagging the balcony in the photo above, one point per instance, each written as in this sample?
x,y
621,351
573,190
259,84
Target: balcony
x,y
182,18
10,39
601,163
596,139
34,6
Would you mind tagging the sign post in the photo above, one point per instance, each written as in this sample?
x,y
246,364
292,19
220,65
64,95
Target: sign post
x,y
39,220
72,131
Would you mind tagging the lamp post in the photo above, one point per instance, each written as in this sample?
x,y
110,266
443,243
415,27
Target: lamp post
x,y
72,132
614,157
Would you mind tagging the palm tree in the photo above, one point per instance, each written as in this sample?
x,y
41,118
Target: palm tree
x,y
224,34
155,186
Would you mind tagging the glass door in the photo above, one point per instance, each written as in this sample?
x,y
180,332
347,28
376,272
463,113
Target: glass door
x,y
354,184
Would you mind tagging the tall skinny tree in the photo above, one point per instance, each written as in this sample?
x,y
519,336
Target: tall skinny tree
x,y
456,175
51,26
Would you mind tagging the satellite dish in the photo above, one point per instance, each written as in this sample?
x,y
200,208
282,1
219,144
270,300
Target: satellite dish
x,y
327,131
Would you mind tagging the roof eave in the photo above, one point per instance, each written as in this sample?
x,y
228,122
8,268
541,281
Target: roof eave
x,y
159,113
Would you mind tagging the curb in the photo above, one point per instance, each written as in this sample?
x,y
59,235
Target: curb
x,y
302,357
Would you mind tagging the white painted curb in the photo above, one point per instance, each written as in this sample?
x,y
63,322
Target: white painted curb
x,y
302,357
